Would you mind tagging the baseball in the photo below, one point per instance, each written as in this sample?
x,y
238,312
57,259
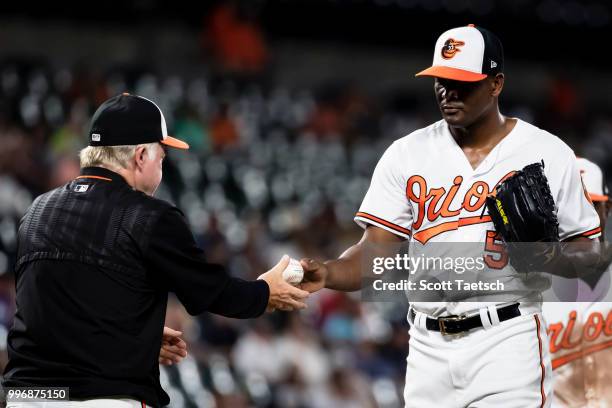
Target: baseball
x,y
293,273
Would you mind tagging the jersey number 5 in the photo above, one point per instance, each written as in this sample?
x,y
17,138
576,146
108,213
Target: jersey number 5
x,y
496,257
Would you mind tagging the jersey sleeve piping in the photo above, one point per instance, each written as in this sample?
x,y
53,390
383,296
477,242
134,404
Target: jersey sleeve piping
x,y
363,218
592,233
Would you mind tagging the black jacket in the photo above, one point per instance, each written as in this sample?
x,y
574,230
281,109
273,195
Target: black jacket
x,y
96,260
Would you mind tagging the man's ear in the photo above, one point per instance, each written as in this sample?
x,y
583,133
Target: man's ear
x,y
497,84
140,156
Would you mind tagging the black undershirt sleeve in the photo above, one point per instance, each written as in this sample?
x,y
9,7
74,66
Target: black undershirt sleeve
x,y
177,264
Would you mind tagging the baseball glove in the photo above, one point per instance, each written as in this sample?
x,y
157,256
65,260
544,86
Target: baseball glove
x,y
523,211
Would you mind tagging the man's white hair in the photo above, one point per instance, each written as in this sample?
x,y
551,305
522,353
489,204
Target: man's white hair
x,y
113,156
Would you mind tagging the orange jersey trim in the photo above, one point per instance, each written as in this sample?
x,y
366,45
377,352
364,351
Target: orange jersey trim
x,y
537,320
560,361
388,224
95,177
591,232
598,197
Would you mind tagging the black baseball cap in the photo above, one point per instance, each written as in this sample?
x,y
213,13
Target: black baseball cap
x,y
128,119
467,53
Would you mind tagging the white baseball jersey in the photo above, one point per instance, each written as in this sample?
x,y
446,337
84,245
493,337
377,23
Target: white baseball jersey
x,y
581,350
424,189
580,333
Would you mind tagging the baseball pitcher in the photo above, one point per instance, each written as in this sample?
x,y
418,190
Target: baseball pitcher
x,y
431,187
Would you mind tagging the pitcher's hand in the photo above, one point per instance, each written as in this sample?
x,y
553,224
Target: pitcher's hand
x,y
315,275
283,296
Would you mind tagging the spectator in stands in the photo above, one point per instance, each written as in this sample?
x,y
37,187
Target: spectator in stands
x,y
223,129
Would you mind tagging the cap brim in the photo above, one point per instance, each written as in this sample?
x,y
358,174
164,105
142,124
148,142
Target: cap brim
x,y
452,73
174,142
598,197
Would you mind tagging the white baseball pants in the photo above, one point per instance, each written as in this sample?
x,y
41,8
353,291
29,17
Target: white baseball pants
x,y
505,365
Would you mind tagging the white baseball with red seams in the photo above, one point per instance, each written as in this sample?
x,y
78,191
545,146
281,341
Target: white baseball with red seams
x,y
293,273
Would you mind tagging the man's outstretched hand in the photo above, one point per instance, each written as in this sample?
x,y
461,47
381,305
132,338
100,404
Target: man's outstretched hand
x,y
283,296
315,275
173,349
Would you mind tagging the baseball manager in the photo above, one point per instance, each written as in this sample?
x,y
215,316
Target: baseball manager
x,y
96,260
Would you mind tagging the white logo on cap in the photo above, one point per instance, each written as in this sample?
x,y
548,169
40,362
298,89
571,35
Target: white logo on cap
x,y
81,188
95,137
493,64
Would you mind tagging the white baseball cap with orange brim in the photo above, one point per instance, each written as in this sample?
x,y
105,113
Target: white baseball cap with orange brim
x,y
467,53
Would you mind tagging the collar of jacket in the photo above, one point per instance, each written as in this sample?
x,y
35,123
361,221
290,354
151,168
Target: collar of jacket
x,y
101,173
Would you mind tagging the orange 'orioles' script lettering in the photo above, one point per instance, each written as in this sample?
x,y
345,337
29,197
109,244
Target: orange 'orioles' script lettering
x,y
435,202
582,342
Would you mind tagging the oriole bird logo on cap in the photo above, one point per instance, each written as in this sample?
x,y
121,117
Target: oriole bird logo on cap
x,y
451,47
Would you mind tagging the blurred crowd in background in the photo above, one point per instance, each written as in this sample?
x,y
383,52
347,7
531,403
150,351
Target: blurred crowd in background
x,y
272,169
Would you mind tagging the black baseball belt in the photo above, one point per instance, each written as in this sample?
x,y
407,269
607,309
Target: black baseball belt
x,y
460,324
